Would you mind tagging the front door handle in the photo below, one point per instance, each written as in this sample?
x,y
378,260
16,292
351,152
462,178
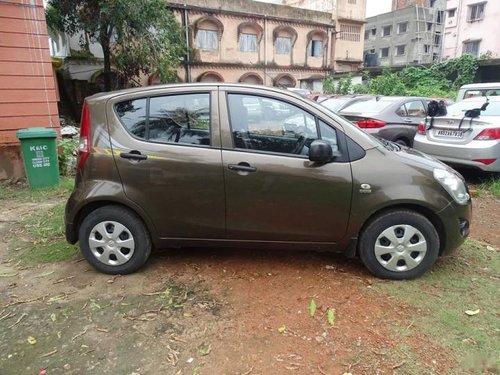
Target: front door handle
x,y
133,155
241,167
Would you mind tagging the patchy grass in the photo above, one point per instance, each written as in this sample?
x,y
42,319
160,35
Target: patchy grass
x,y
465,281
23,193
491,186
44,239
40,235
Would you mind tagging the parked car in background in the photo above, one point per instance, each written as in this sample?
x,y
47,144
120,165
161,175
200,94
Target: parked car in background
x,y
464,141
182,165
301,92
340,102
478,89
394,118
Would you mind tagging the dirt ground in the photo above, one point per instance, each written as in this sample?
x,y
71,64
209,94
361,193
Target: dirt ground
x,y
199,311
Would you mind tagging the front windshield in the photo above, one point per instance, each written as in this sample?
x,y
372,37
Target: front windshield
x,y
458,109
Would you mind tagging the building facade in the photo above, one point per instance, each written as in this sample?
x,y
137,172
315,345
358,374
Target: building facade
x,y
349,18
28,94
411,34
471,27
255,42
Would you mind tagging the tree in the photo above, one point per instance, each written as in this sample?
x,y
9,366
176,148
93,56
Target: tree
x,y
136,36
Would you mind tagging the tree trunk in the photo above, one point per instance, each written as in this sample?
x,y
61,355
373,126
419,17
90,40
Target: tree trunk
x,y
107,61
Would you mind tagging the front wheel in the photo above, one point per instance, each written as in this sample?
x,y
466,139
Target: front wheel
x,y
399,245
114,240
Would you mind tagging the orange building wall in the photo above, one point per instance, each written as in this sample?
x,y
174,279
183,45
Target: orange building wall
x,y
27,86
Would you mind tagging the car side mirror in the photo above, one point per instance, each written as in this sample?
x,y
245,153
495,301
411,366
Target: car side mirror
x,y
321,152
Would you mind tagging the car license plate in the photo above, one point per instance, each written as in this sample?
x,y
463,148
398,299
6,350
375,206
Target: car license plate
x,y
450,133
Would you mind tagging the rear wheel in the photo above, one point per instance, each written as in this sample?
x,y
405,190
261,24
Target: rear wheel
x,y
402,142
399,245
114,240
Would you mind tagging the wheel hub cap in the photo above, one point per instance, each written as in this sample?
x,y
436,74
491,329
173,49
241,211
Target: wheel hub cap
x,y
400,248
111,243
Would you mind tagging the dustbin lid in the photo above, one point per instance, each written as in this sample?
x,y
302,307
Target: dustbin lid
x,y
36,133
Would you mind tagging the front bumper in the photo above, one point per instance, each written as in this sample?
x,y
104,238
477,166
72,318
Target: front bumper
x,y
456,220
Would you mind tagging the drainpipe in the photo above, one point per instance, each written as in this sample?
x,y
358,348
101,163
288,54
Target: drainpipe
x,y
186,28
265,50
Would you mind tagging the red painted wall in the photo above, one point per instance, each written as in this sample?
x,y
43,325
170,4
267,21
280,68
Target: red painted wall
x,y
27,85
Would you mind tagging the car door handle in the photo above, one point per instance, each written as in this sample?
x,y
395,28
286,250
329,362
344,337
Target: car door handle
x,y
133,155
241,167
409,120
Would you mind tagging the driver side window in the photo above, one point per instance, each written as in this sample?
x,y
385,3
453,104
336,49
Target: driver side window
x,y
265,124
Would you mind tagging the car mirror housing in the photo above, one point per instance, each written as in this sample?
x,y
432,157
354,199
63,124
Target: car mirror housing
x,y
321,152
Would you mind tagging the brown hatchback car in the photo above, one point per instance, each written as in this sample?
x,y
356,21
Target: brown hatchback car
x,y
235,165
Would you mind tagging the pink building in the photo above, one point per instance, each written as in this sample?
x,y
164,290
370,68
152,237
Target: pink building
x,y
471,26
28,96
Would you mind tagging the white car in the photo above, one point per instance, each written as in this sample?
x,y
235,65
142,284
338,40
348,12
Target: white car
x,y
462,140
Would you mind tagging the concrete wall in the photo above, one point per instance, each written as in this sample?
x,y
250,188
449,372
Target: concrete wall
x,y
459,30
27,85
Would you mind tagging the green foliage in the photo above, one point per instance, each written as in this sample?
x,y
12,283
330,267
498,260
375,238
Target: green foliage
x,y
136,36
328,85
68,153
440,80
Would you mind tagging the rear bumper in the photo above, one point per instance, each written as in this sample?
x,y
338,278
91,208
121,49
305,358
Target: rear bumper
x,y
456,220
462,155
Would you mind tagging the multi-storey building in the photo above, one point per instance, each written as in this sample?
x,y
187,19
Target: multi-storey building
x,y
255,42
410,34
349,18
471,27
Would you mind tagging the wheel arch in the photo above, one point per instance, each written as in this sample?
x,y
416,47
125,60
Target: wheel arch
x,y
424,211
85,210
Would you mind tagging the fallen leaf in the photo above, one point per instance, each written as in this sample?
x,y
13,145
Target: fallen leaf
x,y
312,307
53,317
31,340
205,350
330,316
282,329
472,312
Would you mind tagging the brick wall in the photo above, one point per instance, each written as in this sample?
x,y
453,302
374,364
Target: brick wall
x,y
27,86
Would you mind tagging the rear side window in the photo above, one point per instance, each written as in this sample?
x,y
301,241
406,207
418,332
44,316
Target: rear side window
x,y
132,114
182,119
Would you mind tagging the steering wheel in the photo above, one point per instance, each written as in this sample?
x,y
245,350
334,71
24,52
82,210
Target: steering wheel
x,y
301,142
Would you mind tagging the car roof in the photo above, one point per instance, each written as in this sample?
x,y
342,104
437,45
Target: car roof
x,y
147,89
486,85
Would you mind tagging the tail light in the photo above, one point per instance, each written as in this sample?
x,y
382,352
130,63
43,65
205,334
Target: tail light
x,y
84,145
370,123
489,135
421,128
485,161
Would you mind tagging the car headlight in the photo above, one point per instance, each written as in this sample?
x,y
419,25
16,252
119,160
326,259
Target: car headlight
x,y
453,185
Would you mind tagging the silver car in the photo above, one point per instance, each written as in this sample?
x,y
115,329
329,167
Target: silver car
x,y
464,141
338,103
394,118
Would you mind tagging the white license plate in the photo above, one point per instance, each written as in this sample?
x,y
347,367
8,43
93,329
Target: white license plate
x,y
450,133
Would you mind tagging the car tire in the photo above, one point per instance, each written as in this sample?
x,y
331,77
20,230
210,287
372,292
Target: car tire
x,y
399,244
114,240
402,142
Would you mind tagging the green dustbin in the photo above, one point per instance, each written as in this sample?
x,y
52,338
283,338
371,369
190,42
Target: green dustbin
x,y
39,148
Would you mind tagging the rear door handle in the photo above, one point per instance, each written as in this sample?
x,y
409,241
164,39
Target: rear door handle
x,y
408,120
241,167
133,155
